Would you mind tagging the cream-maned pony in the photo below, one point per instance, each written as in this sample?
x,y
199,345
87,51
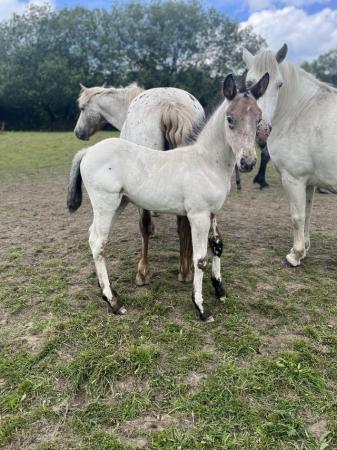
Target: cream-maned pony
x,y
191,181
159,118
303,143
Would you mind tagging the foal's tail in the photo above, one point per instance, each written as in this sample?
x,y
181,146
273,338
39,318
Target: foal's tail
x,y
176,123
74,198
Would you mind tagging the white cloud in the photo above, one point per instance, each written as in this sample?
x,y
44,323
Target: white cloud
x,y
9,7
307,35
258,5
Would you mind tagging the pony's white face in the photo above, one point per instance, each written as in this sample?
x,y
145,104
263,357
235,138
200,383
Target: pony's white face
x,y
242,120
266,61
90,119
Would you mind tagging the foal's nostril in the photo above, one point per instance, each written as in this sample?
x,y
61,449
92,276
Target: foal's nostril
x,y
270,128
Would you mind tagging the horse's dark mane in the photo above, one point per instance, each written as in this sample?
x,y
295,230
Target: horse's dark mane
x,y
199,126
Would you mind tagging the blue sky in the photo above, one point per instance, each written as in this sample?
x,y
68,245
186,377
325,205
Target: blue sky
x,y
308,26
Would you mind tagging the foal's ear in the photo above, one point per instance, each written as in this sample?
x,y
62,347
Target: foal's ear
x,y
247,57
260,87
229,87
82,87
105,84
282,53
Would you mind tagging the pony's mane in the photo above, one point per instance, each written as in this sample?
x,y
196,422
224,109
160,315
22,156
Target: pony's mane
x,y
200,125
212,108
130,92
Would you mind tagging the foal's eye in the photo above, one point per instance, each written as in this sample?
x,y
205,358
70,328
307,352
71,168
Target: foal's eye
x,y
230,121
279,85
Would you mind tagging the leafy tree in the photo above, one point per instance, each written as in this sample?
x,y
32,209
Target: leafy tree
x,y
45,54
324,67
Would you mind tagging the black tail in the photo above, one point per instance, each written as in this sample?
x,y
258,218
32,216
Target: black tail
x,y
74,198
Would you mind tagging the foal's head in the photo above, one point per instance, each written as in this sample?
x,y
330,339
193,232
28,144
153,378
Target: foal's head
x,y
243,117
91,118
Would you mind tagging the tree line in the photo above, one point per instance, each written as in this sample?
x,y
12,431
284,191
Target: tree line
x,y
45,54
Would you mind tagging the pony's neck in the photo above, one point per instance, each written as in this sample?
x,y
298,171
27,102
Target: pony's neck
x,y
212,141
114,105
299,88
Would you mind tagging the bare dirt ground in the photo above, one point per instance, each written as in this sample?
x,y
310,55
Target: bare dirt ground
x,y
47,271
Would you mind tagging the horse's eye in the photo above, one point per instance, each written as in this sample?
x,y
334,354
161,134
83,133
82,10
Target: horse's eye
x,y
230,121
279,85
249,84
258,121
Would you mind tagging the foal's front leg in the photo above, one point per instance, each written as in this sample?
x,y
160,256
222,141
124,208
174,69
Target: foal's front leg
x,y
296,192
200,224
146,228
216,245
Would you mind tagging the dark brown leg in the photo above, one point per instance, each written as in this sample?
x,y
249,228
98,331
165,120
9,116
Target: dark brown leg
x,y
146,228
186,249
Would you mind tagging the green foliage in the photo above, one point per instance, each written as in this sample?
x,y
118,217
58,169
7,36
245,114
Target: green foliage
x,y
324,67
45,54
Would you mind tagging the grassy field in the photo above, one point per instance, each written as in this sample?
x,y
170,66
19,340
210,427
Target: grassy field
x,y
72,376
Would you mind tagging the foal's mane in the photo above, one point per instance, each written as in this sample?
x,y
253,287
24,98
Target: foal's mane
x,y
130,92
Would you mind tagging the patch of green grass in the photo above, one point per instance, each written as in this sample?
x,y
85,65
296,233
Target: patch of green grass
x,y
262,376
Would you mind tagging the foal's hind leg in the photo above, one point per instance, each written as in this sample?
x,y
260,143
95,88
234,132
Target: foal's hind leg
x,y
186,251
216,245
146,228
105,212
200,227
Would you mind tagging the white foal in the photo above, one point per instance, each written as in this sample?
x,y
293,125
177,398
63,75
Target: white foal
x,y
159,118
303,143
192,181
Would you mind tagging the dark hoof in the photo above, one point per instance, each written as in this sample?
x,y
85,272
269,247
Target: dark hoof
x,y
264,187
206,316
116,308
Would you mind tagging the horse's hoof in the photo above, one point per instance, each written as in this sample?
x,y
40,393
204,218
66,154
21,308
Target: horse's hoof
x,y
121,311
142,280
209,319
222,299
290,261
185,278
264,187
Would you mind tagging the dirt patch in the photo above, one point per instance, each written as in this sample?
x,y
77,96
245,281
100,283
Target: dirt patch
x,y
319,428
278,343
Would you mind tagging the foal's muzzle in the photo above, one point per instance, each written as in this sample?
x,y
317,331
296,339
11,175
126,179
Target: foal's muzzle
x,y
247,164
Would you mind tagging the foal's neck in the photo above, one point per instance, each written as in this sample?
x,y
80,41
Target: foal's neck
x,y
212,141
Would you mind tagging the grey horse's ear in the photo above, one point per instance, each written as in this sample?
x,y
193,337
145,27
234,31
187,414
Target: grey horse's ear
x,y
105,84
229,87
247,57
82,86
282,53
260,87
